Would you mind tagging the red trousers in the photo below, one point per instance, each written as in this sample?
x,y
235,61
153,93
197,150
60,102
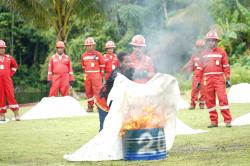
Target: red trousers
x,y
93,84
7,93
60,83
195,98
215,85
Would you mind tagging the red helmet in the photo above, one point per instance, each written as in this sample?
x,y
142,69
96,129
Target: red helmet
x,y
2,44
89,41
110,44
212,35
60,44
200,43
138,40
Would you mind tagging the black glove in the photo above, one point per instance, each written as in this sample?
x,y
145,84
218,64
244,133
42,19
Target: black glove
x,y
71,83
198,85
49,83
228,84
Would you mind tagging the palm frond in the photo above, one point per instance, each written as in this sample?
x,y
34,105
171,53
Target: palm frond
x,y
31,10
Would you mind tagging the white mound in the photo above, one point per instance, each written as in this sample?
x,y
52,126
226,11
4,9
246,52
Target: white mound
x,y
242,120
183,129
6,120
55,107
239,93
183,104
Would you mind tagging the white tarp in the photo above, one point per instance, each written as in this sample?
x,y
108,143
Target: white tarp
x,y
161,91
239,93
183,129
55,107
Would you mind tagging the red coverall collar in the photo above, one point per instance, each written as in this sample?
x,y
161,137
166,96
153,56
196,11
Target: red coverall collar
x,y
57,55
134,58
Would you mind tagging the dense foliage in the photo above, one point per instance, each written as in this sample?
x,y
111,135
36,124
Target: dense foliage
x,y
31,27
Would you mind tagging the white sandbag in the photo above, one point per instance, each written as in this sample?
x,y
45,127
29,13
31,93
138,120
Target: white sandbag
x,y
161,91
55,107
183,104
239,93
242,120
6,120
183,129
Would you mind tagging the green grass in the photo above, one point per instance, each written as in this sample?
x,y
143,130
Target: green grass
x,y
44,142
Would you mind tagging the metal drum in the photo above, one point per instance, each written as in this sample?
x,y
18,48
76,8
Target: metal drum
x,y
144,144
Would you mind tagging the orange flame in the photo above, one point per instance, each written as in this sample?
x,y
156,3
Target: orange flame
x,y
149,119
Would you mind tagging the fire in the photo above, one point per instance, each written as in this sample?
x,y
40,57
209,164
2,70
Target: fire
x,y
148,119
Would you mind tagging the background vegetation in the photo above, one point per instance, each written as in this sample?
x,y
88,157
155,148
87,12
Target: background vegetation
x,y
171,27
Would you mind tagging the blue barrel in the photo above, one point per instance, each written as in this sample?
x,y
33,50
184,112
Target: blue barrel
x,y
144,144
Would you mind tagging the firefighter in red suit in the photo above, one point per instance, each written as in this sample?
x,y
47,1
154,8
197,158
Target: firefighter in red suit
x,y
216,78
93,67
60,73
193,66
110,58
143,65
8,67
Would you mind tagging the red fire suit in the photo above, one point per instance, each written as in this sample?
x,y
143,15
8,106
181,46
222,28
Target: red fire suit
x,y
193,65
145,64
215,68
93,65
8,67
60,73
111,62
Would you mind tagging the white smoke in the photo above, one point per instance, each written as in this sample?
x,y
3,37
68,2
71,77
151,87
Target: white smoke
x,y
172,46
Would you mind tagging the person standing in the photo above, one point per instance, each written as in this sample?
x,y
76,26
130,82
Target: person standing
x,y
101,100
8,68
60,72
110,58
215,70
193,66
93,67
143,65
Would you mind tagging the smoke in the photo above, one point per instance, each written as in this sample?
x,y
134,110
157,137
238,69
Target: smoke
x,y
171,47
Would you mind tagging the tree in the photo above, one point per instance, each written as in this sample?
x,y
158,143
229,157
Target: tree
x,y
60,14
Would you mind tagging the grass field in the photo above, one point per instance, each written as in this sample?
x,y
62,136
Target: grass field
x,y
44,142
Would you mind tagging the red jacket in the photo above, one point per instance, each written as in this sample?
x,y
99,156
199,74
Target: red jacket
x,y
111,62
193,64
214,62
59,67
8,66
144,64
93,62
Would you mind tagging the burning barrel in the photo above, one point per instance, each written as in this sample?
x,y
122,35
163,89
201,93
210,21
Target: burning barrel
x,y
144,144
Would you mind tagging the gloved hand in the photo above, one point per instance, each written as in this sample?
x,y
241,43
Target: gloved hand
x,y
71,83
49,83
198,85
228,84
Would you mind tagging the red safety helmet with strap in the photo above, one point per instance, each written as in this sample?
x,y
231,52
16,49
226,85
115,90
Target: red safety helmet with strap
x,y
2,44
60,44
110,44
212,35
138,40
200,43
89,41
